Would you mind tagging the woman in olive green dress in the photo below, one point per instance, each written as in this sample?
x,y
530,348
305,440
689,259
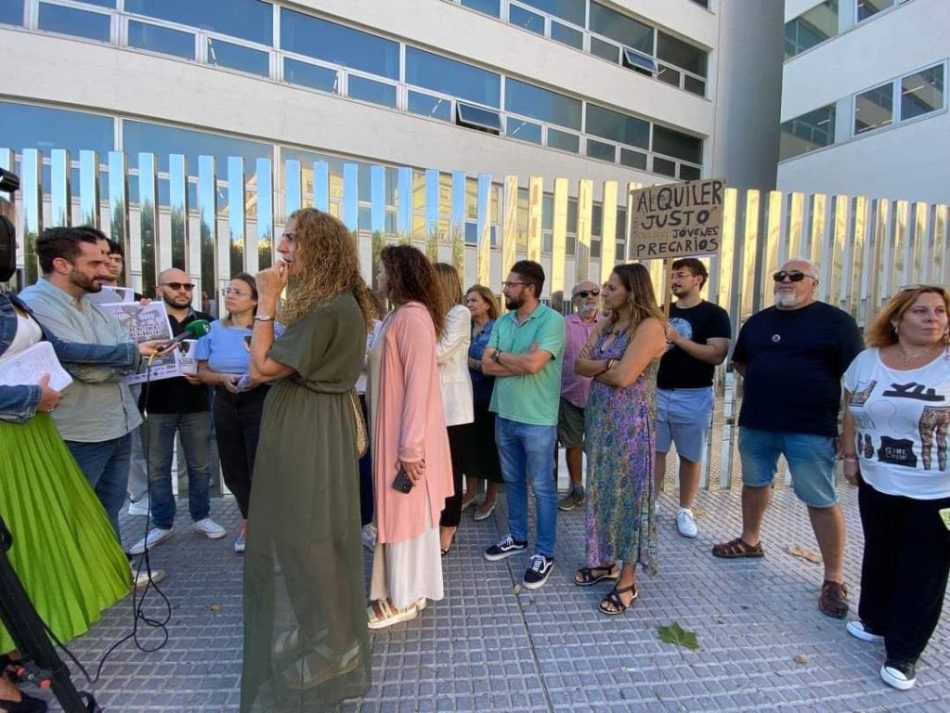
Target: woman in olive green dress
x,y
305,633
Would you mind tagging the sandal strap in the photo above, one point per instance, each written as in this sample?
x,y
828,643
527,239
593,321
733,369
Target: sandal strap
x,y
613,598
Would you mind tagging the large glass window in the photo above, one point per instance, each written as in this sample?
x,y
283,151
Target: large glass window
x,y
529,100
570,10
247,19
161,39
310,75
23,126
489,7
69,21
523,130
613,125
525,19
335,43
563,141
11,12
143,137
621,28
874,108
458,79
245,59
922,92
431,106
810,28
676,144
807,132
370,91
679,53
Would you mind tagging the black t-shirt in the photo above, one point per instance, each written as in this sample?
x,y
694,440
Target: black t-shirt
x,y
794,360
177,395
679,370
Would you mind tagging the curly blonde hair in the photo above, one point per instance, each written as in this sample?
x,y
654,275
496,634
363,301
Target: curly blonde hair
x,y
329,266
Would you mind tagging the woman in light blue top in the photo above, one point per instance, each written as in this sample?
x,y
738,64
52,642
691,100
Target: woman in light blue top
x,y
222,357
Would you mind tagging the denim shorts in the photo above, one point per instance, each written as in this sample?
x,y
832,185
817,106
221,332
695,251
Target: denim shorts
x,y
810,458
683,417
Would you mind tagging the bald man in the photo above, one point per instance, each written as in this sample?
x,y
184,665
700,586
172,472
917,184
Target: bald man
x,y
179,405
792,357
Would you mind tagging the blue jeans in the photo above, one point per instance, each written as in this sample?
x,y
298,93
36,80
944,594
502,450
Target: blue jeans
x,y
106,466
158,440
527,455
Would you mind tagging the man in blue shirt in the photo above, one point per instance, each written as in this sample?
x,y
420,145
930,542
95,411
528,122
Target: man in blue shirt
x,y
525,353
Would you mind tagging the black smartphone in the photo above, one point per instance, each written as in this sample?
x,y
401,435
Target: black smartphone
x,y
402,482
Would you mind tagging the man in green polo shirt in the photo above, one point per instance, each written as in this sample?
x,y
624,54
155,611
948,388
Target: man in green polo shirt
x,y
524,354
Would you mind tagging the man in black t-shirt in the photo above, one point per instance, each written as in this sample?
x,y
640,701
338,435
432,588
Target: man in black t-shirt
x,y
698,333
179,405
792,357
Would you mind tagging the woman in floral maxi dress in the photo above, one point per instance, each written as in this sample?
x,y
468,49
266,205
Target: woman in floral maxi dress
x,y
622,356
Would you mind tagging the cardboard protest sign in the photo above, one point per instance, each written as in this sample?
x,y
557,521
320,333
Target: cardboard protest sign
x,y
676,219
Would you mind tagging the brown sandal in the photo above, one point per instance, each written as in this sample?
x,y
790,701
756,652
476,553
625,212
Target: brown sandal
x,y
737,548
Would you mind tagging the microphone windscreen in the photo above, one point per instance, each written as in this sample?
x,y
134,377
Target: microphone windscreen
x,y
198,327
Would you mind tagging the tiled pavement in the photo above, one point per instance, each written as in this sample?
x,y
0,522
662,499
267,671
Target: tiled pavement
x,y
489,646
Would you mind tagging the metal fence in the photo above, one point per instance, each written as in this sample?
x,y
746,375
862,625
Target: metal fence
x,y
224,217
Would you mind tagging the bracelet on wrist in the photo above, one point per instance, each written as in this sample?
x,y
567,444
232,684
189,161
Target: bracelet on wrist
x,y
263,318
850,457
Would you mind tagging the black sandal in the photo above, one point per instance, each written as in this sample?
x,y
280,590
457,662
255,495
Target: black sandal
x,y
585,577
613,599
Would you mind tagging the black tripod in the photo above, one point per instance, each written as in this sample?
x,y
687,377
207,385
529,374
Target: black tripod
x,y
25,626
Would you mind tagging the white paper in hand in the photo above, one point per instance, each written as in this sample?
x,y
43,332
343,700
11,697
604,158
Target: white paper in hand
x,y
26,368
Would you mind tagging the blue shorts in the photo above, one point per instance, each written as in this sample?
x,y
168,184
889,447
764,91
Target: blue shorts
x,y
683,417
810,458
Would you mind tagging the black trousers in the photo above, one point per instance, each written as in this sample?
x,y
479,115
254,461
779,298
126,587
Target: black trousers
x,y
237,423
904,572
366,475
452,514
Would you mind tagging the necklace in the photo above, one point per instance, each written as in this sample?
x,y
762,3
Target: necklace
x,y
908,358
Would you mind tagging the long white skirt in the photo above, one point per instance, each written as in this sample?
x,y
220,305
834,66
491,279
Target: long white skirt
x,y
406,571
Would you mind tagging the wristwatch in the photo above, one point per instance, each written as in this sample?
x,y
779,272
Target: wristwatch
x,y
263,318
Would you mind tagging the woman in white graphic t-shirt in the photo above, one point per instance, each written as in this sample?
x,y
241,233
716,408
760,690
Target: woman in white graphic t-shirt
x,y
894,440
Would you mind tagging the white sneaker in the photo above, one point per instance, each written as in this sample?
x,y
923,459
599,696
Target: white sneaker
x,y
142,578
210,528
155,536
858,630
139,507
686,523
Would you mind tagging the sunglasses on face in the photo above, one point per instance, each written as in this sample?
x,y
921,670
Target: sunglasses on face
x,y
584,294
179,285
793,275
929,288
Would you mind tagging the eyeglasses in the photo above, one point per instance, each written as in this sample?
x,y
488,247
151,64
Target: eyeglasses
x,y
793,275
227,291
179,286
683,275
506,285
584,294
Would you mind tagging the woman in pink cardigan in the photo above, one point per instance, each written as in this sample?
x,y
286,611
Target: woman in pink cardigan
x,y
408,435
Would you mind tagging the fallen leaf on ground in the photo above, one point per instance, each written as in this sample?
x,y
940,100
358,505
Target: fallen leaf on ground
x,y
805,554
801,659
215,608
676,634
699,512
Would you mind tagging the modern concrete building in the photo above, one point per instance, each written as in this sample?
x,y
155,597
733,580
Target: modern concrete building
x,y
630,90
864,98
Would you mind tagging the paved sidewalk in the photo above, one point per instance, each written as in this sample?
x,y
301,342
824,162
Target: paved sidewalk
x,y
763,643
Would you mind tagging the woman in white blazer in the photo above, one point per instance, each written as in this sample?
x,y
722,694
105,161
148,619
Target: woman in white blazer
x,y
452,354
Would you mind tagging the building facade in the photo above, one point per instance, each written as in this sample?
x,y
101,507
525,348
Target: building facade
x,y
631,90
864,98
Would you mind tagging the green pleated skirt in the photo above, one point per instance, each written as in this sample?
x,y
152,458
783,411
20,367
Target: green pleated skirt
x,y
64,550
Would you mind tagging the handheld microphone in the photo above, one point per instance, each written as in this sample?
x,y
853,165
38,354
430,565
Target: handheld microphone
x,y
193,330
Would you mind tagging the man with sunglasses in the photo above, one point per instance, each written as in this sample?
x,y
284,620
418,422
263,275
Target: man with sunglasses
x,y
792,357
178,405
698,335
574,389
